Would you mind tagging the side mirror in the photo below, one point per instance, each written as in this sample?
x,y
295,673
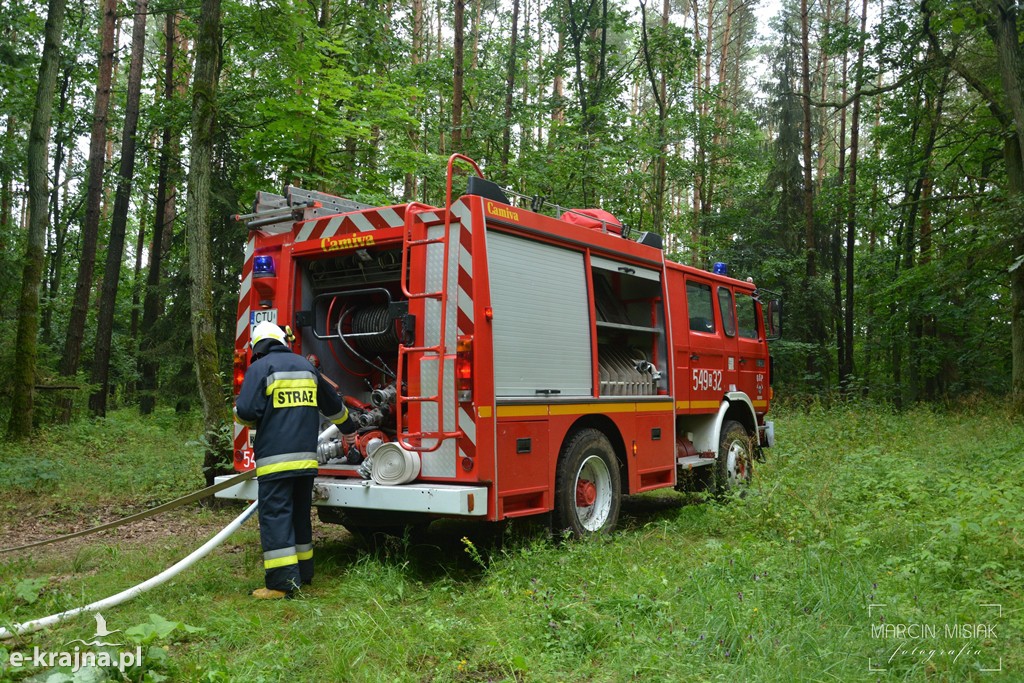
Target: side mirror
x,y
773,320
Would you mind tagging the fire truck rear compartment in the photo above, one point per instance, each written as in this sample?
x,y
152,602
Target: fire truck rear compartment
x,y
353,318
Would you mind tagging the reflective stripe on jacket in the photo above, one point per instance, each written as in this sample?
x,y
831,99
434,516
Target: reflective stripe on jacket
x,y
282,396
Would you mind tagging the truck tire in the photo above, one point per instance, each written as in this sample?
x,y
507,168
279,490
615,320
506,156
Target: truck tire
x,y
588,489
734,465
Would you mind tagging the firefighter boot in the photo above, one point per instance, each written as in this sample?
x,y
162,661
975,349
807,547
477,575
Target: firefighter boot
x,y
270,594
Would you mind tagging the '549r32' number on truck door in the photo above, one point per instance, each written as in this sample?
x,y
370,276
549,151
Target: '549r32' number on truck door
x,y
705,380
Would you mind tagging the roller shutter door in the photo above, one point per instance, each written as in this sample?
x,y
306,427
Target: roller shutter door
x,y
541,319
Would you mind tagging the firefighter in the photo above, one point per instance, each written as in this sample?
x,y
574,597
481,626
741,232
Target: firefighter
x,y
282,397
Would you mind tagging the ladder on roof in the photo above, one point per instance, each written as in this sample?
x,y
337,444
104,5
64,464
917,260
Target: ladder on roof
x,y
438,353
276,213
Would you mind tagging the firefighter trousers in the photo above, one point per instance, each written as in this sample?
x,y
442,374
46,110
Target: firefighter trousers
x,y
286,531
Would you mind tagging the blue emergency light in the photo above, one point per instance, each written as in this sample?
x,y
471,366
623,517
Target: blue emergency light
x,y
720,269
263,266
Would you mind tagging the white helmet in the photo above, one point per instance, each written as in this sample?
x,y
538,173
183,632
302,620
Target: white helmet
x,y
267,330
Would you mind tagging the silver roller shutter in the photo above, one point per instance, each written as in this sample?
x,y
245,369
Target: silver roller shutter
x,y
541,318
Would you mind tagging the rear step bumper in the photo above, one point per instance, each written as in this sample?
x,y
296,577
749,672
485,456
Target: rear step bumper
x,y
442,499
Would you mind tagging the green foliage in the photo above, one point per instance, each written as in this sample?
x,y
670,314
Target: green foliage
x,y
158,628
34,474
29,589
151,458
218,441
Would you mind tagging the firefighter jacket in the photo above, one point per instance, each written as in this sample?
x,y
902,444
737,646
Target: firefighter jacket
x,y
282,396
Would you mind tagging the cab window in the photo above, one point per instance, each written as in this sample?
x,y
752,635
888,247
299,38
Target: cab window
x,y
728,317
700,308
746,315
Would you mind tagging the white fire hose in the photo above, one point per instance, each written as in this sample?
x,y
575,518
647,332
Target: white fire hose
x,y
393,465
126,595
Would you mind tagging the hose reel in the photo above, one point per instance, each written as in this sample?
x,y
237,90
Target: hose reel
x,y
369,332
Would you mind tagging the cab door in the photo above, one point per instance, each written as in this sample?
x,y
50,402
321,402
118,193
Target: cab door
x,y
707,347
753,361
730,349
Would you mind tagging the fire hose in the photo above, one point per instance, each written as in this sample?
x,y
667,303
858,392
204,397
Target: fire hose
x,y
159,579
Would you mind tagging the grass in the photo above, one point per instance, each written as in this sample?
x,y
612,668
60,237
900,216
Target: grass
x,y
921,512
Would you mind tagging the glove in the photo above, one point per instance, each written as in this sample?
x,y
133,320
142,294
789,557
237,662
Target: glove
x,y
352,454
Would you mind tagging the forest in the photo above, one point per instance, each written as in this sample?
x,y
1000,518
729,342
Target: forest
x,y
862,158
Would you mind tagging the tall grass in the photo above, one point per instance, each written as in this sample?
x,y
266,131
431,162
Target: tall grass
x,y
861,517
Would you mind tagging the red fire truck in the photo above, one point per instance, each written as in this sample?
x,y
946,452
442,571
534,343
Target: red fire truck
x,y
502,362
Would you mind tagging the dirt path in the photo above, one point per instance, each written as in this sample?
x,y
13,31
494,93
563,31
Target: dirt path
x,y
29,526
191,522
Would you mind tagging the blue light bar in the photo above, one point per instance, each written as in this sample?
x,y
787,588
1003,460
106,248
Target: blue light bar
x,y
263,266
720,269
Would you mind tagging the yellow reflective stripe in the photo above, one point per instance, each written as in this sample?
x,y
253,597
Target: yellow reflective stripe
x,y
598,407
281,562
705,404
339,418
286,467
523,411
593,408
653,407
306,555
290,384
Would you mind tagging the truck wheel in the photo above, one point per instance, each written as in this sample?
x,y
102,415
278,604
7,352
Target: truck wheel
x,y
733,467
588,490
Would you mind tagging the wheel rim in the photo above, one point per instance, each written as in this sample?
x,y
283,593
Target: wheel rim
x,y
737,464
594,480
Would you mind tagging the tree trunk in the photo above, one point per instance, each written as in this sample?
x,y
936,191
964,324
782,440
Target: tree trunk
x,y
58,231
25,349
475,31
457,74
109,149
848,367
824,67
659,92
93,199
140,246
841,345
119,222
152,306
1015,172
809,238
7,188
1002,26
558,83
722,106
510,84
197,228
416,57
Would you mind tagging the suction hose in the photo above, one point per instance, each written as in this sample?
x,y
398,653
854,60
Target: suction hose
x,y
126,595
